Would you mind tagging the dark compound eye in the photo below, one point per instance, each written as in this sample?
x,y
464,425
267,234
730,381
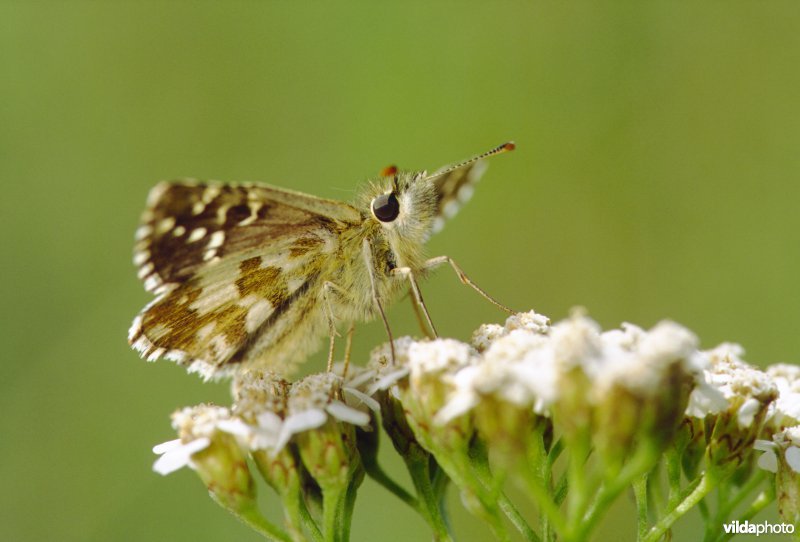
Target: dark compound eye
x,y
386,207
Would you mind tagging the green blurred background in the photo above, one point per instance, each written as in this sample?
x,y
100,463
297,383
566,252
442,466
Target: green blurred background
x,y
655,177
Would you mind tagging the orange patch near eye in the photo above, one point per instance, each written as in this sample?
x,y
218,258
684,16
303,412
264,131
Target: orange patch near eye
x,y
389,171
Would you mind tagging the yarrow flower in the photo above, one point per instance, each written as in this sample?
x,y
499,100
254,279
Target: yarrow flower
x,y
196,427
208,448
323,426
504,407
734,425
529,321
785,411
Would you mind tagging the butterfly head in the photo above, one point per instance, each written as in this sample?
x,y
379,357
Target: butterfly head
x,y
413,205
403,203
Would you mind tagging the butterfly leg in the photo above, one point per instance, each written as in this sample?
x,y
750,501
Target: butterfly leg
x,y
423,327
327,288
439,260
348,346
419,303
366,252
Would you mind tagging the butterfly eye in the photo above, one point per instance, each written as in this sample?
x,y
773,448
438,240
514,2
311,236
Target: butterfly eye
x,y
386,207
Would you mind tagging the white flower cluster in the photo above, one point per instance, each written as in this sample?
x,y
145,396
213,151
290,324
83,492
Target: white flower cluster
x,y
267,413
525,361
727,381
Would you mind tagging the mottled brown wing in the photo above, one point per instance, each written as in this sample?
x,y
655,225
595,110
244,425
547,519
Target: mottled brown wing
x,y
188,224
226,262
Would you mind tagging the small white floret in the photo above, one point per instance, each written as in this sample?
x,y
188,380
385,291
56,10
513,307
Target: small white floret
x,y
175,455
344,413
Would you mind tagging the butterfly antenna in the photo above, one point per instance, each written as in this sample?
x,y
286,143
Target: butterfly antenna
x,y
505,147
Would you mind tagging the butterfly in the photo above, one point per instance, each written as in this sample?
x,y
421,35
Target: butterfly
x,y
250,275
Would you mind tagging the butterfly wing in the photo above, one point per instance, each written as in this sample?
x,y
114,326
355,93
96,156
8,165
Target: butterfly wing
x,y
455,183
228,263
454,187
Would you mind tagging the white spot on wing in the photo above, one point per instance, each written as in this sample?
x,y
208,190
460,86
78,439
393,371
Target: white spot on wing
x,y
151,283
294,284
438,224
143,231
140,257
477,171
178,231
157,353
175,355
196,235
136,328
158,331
205,331
213,298
248,301
142,345
217,238
254,207
451,208
257,314
145,270
156,192
211,192
198,208
465,193
165,224
220,347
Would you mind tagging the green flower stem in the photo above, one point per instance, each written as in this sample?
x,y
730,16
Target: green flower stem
x,y
673,461
560,491
538,483
297,517
655,491
640,493
309,523
249,515
348,505
439,481
641,463
578,495
376,472
516,518
705,513
701,489
543,470
332,508
480,462
429,501
555,452
547,506
472,488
